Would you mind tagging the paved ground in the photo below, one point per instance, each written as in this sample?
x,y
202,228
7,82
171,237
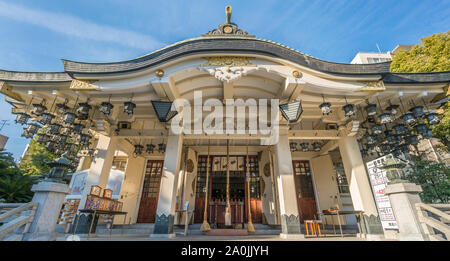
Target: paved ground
x,y
214,238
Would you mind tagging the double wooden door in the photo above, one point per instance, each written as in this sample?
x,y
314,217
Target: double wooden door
x,y
304,190
238,190
150,191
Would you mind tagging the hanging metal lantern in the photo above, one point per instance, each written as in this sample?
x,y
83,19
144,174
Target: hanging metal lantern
x,y
412,139
22,118
396,152
394,139
33,128
71,148
371,139
69,117
326,108
377,129
43,138
291,111
408,118
38,109
349,110
388,133
129,107
62,139
77,128
51,146
417,111
26,133
55,128
404,148
293,146
138,149
393,108
150,148
316,146
46,118
432,118
385,118
421,128
385,148
106,108
400,129
305,146
163,110
428,134
161,148
84,139
84,108
371,109
62,108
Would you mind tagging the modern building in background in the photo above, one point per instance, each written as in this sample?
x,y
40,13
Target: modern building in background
x,y
3,140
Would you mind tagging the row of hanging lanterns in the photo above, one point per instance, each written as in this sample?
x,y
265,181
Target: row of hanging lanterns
x,y
349,109
388,135
305,146
149,148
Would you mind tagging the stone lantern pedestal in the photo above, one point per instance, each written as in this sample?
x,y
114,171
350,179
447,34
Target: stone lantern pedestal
x,y
50,197
403,197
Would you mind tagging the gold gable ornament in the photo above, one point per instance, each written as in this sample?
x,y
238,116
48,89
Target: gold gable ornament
x,y
78,85
228,61
373,86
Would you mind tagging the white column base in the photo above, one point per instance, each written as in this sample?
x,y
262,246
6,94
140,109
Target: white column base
x,y
163,235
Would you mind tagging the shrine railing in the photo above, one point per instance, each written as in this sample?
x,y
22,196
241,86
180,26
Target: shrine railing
x,y
435,220
15,215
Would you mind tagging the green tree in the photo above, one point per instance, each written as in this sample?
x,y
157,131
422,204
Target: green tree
x,y
35,160
431,55
434,178
442,129
14,186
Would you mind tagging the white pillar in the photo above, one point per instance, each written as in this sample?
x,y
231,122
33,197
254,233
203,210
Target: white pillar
x,y
100,167
290,221
129,192
50,197
403,198
359,185
165,212
98,174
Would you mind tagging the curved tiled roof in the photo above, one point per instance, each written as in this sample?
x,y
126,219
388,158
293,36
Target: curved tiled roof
x,y
417,77
225,45
14,76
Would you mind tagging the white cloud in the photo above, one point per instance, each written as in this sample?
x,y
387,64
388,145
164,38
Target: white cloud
x,y
74,26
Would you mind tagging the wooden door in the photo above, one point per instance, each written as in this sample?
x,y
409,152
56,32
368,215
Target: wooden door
x,y
304,190
255,191
200,187
150,191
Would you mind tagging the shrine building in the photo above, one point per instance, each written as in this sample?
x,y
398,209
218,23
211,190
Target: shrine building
x,y
262,130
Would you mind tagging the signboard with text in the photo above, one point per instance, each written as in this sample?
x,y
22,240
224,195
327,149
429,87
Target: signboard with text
x,y
378,181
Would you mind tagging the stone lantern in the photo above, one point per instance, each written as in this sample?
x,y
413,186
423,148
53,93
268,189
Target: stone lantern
x,y
394,170
59,169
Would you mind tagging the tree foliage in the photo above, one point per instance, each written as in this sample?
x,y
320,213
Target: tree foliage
x,y
431,55
35,160
434,178
14,186
442,129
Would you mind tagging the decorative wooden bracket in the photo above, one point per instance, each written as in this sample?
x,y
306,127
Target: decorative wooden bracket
x,y
78,85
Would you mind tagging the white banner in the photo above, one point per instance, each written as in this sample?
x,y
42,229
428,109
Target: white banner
x,y
379,180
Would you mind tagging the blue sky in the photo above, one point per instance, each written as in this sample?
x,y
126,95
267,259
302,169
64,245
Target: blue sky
x,y
37,34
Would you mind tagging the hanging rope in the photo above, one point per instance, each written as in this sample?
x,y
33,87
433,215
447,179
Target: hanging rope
x,y
250,227
205,226
228,207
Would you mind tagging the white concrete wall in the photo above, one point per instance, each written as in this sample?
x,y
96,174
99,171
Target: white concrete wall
x,y
131,188
326,185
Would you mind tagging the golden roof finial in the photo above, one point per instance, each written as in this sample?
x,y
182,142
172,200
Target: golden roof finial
x,y
228,13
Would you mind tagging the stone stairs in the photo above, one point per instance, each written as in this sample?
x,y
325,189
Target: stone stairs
x,y
145,229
